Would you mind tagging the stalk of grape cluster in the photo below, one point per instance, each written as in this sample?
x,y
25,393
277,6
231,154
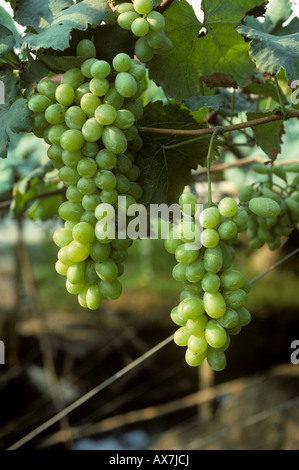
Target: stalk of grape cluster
x,y
88,120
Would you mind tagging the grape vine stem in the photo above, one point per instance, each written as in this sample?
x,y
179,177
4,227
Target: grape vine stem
x,y
230,128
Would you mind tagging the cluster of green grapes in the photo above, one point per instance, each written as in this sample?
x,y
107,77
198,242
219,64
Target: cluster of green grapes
x,y
279,213
147,25
211,307
88,120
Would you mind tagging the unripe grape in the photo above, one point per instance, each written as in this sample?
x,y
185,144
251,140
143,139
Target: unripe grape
x,y
121,62
86,48
143,7
143,51
156,20
39,103
65,94
73,77
125,84
140,27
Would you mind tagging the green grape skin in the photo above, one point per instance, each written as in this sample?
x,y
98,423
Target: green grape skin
x,y
47,88
100,252
71,158
231,279
75,117
124,164
227,230
122,244
70,211
107,271
209,238
188,203
114,140
39,103
213,259
105,180
111,290
140,27
109,197
63,257
171,244
194,360
82,297
62,237
192,307
125,6
264,207
65,94
256,243
156,39
119,256
99,86
126,18
72,140
228,207
175,317
86,185
137,70
181,336
55,152
187,231
215,334
73,77
93,297
134,173
125,84
197,343
143,51
69,176
91,201
226,344
210,217
105,114
246,285
185,255
244,316
74,289
135,107
194,288
55,113
89,218
73,194
135,191
136,144
214,304
76,273
156,20
39,124
89,103
235,299
83,233
179,272
268,193
90,149
143,7
195,271
86,48
124,119
77,252
216,359
61,268
100,69
245,193
81,91
241,220
121,62
195,326
131,133
114,98
230,319
210,282
55,133
91,130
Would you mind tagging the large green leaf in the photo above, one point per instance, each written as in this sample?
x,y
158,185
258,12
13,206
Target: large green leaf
x,y
268,136
59,19
217,51
272,53
7,40
165,172
15,118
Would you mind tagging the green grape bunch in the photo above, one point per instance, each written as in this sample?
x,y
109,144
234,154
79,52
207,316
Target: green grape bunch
x,y
273,207
88,120
213,298
147,25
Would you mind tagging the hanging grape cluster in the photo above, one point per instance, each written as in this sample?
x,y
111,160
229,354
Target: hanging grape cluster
x,y
88,120
273,208
147,25
212,302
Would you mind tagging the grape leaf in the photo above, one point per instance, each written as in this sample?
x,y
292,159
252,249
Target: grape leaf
x,y
60,63
268,136
39,14
272,53
196,102
165,172
219,50
15,118
35,71
54,30
7,40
